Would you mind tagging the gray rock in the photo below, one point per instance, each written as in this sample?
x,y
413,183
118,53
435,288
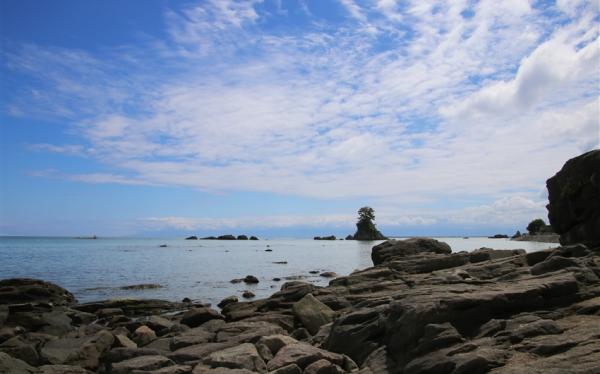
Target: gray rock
x,y
197,316
289,369
391,249
141,363
143,335
276,342
10,365
197,352
243,356
228,300
25,290
302,355
323,367
312,313
123,341
62,369
195,336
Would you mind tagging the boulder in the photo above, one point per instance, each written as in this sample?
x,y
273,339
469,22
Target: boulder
x,y
25,290
228,300
19,347
574,200
392,249
10,365
62,369
312,313
197,316
243,356
250,279
197,352
140,363
123,341
143,335
191,337
323,367
289,369
242,237
84,351
275,342
302,355
248,294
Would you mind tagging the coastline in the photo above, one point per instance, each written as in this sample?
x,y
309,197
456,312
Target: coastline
x,y
541,238
416,305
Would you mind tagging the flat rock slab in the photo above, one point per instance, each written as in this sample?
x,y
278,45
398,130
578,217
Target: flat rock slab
x,y
141,363
302,355
243,356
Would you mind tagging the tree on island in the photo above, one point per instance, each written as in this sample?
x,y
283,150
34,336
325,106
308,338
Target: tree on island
x,y
536,226
365,228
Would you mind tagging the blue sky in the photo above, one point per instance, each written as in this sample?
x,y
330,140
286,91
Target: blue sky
x,y
282,118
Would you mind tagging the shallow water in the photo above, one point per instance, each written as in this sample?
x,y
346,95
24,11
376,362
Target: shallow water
x,y
198,269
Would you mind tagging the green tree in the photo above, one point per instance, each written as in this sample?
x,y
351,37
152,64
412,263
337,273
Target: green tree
x,y
366,214
536,226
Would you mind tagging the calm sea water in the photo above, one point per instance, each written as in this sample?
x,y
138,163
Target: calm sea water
x,y
198,269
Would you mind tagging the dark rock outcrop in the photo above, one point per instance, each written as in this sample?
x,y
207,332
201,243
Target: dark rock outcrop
x,y
226,237
391,249
330,237
193,237
242,237
24,290
574,200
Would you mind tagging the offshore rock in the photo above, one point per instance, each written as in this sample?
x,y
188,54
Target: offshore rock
x,y
392,249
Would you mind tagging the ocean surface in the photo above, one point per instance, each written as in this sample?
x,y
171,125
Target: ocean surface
x,y
198,269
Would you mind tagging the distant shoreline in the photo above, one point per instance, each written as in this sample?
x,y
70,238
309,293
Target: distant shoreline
x,y
543,238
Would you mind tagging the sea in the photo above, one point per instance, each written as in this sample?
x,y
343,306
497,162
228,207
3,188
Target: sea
x,y
200,270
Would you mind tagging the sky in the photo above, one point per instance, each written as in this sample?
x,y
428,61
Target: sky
x,y
284,117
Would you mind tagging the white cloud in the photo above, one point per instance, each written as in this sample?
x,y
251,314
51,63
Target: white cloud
x,y
475,105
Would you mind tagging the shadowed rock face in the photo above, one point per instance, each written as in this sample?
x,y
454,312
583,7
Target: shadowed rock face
x,y
23,290
574,200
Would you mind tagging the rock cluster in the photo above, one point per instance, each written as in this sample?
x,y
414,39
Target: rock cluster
x,y
421,309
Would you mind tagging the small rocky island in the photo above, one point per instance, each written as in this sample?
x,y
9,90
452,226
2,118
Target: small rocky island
x,y
365,227
419,309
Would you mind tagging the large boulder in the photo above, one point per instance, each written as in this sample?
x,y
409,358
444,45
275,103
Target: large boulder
x,y
243,356
197,316
25,290
391,249
312,313
574,200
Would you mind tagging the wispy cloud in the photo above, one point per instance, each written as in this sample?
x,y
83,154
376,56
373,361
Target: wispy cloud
x,y
458,99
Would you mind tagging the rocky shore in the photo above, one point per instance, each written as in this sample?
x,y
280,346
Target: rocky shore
x,y
419,309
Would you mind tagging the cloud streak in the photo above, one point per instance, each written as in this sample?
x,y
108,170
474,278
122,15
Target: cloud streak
x,y
459,99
